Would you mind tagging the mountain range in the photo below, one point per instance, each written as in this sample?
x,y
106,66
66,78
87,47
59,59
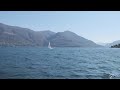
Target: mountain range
x,y
109,44
18,36
113,43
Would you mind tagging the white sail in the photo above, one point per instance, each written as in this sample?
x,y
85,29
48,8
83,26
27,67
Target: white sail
x,y
49,46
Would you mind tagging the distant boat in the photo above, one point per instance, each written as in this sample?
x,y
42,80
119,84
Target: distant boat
x,y
49,46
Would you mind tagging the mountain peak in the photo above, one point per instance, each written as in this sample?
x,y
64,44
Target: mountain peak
x,y
67,31
12,35
47,31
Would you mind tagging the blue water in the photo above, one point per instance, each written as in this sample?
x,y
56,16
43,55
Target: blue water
x,y
59,63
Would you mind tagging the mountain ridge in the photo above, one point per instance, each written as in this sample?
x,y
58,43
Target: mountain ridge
x,y
18,36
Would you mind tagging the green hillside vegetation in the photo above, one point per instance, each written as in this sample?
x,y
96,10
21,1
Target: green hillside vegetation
x,y
116,46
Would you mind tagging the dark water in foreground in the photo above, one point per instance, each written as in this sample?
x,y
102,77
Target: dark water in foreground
x,y
59,63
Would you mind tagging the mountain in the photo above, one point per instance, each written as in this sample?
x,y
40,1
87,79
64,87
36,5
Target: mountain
x,y
12,35
45,36
17,36
47,33
103,44
70,39
116,46
113,43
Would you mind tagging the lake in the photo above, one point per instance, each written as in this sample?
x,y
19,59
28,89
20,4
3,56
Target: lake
x,y
59,63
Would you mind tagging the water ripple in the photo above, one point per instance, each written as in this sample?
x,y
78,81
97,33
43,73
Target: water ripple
x,y
67,63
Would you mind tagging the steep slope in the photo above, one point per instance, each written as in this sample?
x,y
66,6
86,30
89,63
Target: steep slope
x,y
70,39
17,36
46,34
12,35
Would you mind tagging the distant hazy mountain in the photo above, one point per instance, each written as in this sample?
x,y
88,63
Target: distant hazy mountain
x,y
46,34
113,43
103,44
17,36
68,38
12,35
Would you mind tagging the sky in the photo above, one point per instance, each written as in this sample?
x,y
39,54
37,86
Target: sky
x,y
98,26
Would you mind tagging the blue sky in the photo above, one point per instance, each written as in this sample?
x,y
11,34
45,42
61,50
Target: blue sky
x,y
98,26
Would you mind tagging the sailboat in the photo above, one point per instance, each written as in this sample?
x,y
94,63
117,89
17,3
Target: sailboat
x,y
49,46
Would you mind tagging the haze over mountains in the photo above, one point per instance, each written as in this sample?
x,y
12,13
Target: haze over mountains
x,y
17,36
113,43
103,44
109,44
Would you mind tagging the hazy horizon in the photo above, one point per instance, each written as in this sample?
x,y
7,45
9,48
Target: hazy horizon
x,y
98,26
